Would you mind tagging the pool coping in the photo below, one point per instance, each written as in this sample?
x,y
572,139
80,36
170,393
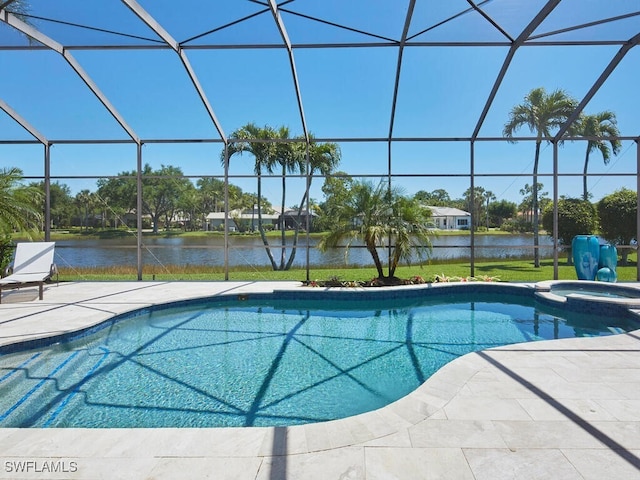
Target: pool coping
x,y
366,444
241,291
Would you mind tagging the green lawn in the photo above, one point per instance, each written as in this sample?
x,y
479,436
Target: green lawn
x,y
506,271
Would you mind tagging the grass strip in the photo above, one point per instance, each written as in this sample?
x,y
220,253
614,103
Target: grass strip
x,y
505,271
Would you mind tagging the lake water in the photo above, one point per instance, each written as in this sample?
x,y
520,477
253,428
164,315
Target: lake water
x,y
249,251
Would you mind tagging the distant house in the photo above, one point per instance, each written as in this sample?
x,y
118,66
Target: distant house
x,y
131,220
291,219
242,220
448,218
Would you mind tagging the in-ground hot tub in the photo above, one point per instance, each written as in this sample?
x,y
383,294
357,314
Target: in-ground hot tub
x,y
590,297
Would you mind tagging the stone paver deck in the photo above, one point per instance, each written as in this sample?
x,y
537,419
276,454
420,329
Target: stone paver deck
x,y
562,409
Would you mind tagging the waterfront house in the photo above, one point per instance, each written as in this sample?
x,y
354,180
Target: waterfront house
x,y
449,218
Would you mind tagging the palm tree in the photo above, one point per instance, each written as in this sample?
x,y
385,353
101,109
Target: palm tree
x,y
604,125
19,210
289,157
209,191
256,141
476,207
84,200
18,203
376,214
19,8
489,197
323,159
542,113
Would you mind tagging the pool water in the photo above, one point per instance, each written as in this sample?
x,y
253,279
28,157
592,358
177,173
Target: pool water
x,y
267,363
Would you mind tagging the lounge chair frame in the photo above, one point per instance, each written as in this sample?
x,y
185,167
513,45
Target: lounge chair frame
x,y
33,265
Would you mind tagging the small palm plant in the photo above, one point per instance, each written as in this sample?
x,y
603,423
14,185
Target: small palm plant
x,y
379,217
19,210
19,204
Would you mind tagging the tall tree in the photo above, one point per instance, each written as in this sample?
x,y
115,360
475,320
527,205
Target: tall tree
x,y
618,218
501,211
526,206
61,203
84,201
488,197
118,195
288,158
186,206
272,150
602,131
437,198
210,197
323,159
336,189
257,141
376,215
542,113
477,206
161,192
575,217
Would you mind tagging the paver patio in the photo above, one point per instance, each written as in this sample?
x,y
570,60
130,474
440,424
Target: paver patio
x,y
561,409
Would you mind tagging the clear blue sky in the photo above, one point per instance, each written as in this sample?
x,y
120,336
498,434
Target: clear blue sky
x,y
347,92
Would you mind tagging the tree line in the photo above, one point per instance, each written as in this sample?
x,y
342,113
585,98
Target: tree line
x,y
169,197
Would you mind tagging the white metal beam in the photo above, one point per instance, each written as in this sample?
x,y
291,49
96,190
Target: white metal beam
x,y
285,38
405,34
53,45
22,122
528,30
598,83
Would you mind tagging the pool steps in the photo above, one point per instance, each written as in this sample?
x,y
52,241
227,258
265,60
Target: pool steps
x,y
33,379
38,388
76,390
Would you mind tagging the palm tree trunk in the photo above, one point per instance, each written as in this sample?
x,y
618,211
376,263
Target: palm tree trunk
x,y
585,193
371,248
536,229
296,232
283,223
393,264
261,229
305,195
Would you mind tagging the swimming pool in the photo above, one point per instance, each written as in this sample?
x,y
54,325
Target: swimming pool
x,y
265,360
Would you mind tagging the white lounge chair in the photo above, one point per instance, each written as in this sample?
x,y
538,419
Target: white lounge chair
x,y
32,265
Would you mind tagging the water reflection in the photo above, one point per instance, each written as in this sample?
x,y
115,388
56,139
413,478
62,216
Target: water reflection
x,y
248,251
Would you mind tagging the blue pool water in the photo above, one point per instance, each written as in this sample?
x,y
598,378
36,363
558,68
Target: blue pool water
x,y
263,362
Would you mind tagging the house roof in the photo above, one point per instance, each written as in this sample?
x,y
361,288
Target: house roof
x,y
448,212
247,216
